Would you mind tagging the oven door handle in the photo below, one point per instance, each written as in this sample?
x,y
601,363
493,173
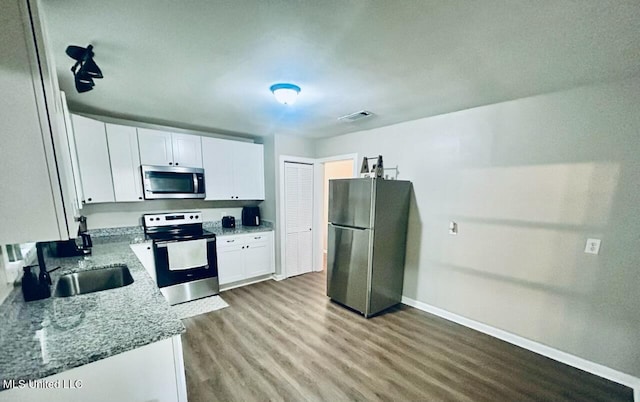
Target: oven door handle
x,y
163,244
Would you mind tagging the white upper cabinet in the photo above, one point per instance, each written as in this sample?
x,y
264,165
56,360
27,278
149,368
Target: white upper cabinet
x,y
187,150
93,158
217,160
155,147
233,170
125,162
249,171
162,148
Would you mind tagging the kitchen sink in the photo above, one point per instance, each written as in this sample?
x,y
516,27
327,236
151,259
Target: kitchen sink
x,y
96,280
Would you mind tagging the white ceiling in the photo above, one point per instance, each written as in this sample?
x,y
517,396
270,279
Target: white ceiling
x,y
208,64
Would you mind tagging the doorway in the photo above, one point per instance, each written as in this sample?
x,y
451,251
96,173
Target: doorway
x,y
298,218
333,169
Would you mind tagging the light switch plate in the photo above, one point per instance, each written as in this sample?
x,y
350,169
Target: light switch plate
x,y
593,246
453,228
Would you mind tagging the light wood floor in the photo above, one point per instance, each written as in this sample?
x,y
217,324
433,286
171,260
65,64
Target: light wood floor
x,y
286,341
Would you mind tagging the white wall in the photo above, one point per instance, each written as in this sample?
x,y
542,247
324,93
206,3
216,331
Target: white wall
x,y
284,146
528,181
268,206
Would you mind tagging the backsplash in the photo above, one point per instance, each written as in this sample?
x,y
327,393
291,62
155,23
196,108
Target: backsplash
x,y
119,215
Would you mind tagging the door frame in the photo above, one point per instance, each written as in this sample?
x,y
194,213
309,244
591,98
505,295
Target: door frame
x,y
319,200
318,194
281,210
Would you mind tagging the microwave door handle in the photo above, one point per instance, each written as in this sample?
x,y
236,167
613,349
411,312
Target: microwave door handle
x,y
195,183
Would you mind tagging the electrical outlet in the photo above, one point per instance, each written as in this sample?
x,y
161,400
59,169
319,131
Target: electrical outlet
x,y
593,246
453,228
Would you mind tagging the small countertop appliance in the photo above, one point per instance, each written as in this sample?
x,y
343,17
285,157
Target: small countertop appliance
x,y
251,216
228,222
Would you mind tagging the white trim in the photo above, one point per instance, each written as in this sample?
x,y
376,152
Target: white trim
x,y
279,277
245,282
342,158
563,357
319,201
178,361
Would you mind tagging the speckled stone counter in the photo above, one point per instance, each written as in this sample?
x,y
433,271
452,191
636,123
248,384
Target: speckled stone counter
x,y
216,227
45,337
137,232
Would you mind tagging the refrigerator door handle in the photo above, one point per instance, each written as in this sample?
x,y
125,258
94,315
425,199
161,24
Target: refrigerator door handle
x,y
347,227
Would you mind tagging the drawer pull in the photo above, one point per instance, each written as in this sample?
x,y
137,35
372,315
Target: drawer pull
x,y
230,241
258,237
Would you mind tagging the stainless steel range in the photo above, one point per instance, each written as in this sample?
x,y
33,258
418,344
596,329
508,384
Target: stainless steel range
x,y
184,254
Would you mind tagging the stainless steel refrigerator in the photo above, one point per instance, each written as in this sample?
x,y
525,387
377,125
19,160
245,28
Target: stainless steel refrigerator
x,y
366,243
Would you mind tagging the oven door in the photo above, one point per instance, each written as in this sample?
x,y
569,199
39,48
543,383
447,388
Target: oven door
x,y
181,261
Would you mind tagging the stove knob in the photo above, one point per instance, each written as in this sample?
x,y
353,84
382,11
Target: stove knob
x,y
196,216
191,217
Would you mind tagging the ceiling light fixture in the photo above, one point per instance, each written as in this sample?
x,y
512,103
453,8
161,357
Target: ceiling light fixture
x,y
285,93
85,69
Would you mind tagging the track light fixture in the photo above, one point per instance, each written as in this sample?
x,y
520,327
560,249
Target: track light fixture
x,y
85,69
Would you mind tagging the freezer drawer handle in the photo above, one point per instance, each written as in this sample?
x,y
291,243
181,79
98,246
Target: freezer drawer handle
x,y
347,227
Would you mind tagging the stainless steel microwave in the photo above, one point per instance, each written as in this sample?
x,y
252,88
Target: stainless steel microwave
x,y
172,182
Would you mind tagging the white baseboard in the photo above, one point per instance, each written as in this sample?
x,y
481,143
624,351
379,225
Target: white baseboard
x,y
563,357
238,284
279,277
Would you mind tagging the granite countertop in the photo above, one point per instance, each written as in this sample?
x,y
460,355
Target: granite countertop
x,y
137,232
216,227
45,337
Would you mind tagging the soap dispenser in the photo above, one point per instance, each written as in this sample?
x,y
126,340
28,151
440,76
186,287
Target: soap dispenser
x,y
29,284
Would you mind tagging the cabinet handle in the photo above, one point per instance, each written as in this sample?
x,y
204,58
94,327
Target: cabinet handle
x,y
89,199
258,237
177,163
139,198
170,163
247,246
236,197
230,241
243,247
148,248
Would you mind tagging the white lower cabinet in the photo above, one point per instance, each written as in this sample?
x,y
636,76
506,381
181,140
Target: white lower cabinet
x,y
245,256
154,372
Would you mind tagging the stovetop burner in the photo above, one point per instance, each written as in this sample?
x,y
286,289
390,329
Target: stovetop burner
x,y
174,225
179,235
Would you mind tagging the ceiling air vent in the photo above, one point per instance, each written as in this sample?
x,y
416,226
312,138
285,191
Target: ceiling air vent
x,y
356,116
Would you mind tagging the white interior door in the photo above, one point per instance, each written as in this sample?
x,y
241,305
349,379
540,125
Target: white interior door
x,y
298,179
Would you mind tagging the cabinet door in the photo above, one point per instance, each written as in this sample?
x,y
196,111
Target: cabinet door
x,y
217,157
230,261
248,171
93,158
125,163
155,147
258,255
187,150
